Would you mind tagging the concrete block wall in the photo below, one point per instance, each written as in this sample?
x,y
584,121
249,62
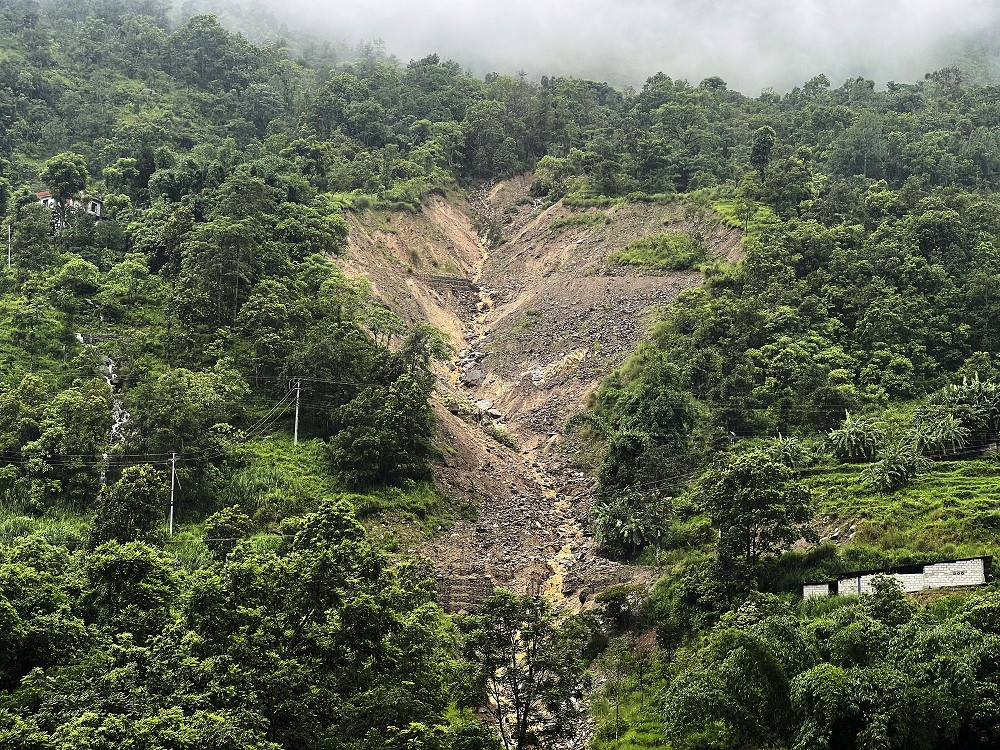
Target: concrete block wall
x,y
934,576
848,585
818,589
866,584
960,573
911,581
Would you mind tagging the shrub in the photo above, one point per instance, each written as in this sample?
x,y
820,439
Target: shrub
x,y
896,467
225,529
667,251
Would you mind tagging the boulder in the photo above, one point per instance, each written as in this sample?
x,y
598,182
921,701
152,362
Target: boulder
x,y
473,377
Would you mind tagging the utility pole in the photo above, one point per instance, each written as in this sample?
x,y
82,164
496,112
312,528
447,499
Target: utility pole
x,y
298,390
173,475
9,232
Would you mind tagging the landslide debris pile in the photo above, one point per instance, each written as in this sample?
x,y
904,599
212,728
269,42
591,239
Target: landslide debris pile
x,y
538,314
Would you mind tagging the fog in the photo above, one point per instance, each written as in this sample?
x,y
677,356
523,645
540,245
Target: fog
x,y
753,45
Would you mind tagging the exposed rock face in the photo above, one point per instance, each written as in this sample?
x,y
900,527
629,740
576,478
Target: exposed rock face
x,y
538,319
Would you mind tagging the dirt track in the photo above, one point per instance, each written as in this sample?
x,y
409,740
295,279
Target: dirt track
x,y
538,318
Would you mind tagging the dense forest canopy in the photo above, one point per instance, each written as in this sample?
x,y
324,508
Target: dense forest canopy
x,y
161,346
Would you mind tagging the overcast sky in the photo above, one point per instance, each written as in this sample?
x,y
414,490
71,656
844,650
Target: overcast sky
x,y
752,44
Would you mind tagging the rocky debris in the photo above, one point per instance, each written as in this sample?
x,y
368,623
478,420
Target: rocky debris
x,y
510,540
472,377
540,320
836,531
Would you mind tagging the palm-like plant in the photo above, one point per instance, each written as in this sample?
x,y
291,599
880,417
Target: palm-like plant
x,y
976,403
790,451
857,439
895,466
936,429
952,433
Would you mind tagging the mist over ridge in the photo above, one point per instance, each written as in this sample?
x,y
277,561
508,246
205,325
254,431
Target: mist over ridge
x,y
752,45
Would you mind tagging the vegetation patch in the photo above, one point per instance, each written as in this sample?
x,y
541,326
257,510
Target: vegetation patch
x,y
667,251
628,714
588,200
750,217
501,436
529,319
279,479
597,219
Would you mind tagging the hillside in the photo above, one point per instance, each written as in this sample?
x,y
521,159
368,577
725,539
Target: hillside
x,y
353,404
538,314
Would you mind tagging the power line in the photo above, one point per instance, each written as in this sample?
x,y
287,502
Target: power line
x,y
182,540
135,459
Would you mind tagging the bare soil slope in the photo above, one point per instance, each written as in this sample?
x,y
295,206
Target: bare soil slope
x,y
538,317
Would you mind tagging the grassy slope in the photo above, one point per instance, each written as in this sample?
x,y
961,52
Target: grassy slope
x,y
639,723
952,510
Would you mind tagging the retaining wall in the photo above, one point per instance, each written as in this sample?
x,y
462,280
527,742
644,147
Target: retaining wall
x,y
461,591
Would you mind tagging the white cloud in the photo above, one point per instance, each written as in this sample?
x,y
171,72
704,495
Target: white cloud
x,y
752,44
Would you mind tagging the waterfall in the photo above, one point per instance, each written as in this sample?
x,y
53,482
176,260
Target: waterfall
x,y
108,369
119,414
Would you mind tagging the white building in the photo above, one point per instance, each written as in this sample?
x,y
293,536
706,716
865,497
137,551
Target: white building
x,y
80,202
974,571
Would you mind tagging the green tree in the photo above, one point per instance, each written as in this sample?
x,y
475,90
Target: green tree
x,y
176,410
384,434
756,503
224,529
524,668
269,321
130,588
62,456
129,285
648,423
616,665
40,622
132,508
761,145
896,465
327,642
65,175
32,245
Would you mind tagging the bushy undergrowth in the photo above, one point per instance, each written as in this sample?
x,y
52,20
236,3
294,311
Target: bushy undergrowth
x,y
667,251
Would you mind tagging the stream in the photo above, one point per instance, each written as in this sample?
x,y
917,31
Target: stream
x,y
107,368
468,375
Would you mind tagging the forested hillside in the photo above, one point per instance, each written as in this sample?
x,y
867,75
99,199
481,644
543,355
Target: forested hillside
x,y
297,314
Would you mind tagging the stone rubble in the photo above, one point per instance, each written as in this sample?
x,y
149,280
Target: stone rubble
x,y
544,321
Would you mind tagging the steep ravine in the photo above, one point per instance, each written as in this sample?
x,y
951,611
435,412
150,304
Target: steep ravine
x,y
537,317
